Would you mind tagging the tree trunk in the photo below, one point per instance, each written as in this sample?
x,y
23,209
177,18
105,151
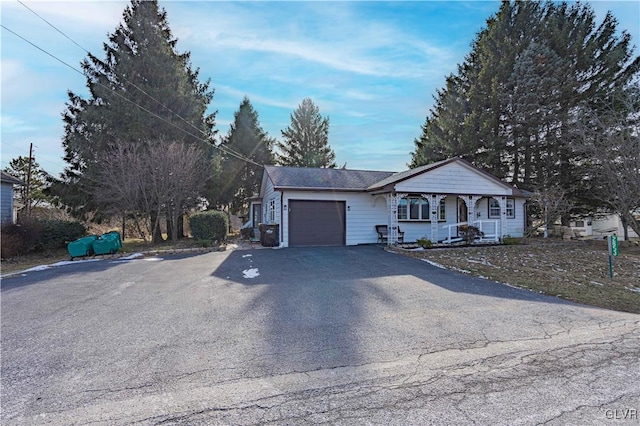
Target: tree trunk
x,y
635,225
155,227
170,226
180,227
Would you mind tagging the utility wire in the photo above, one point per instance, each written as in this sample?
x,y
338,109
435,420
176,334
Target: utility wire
x,y
119,77
222,148
40,160
228,150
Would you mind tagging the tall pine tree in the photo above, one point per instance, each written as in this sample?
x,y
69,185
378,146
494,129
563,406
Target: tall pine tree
x,y
513,103
143,91
240,179
306,140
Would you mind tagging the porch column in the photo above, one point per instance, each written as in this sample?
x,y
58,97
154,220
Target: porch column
x,y
392,217
471,201
434,207
503,216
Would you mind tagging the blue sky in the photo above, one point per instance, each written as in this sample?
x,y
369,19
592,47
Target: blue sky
x,y
371,67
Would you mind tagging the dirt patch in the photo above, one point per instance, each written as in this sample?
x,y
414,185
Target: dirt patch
x,y
572,270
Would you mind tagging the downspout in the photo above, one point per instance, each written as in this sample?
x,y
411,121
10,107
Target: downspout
x,y
281,218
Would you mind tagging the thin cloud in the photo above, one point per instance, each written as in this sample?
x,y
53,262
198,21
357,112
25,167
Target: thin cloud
x,y
76,14
12,124
350,43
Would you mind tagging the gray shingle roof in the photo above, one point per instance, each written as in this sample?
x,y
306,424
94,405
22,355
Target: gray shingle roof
x,y
311,178
358,180
7,178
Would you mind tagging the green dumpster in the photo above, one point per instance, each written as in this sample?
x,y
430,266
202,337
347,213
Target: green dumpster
x,y
82,246
108,243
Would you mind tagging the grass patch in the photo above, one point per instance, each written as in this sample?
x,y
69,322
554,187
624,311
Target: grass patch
x,y
574,270
129,245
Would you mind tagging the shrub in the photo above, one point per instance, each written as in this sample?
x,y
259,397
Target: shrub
x,y
20,238
211,225
424,242
247,233
470,233
58,233
511,241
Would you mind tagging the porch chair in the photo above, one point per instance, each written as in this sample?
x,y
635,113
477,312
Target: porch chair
x,y
383,233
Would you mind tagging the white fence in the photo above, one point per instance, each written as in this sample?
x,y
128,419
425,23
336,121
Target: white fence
x,y
489,229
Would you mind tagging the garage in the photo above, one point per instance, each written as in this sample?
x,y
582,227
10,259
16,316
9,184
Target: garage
x,y
316,223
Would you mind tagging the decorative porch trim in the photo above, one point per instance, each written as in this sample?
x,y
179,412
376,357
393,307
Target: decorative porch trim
x,y
503,215
434,207
392,217
471,202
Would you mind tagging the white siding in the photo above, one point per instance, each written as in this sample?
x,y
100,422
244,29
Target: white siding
x,y
453,178
364,211
268,196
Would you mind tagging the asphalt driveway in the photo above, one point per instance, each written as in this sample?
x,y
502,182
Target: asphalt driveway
x,y
351,335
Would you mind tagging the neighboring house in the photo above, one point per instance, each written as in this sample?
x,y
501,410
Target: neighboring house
x,y
6,197
601,226
342,207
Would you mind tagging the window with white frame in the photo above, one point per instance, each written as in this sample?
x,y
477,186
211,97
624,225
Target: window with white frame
x,y
271,211
494,208
417,208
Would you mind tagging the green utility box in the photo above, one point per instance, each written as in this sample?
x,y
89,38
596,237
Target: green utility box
x,y
82,246
108,243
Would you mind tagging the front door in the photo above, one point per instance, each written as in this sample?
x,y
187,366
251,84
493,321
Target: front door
x,y
463,213
257,215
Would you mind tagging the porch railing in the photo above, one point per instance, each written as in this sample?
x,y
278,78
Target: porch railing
x,y
488,227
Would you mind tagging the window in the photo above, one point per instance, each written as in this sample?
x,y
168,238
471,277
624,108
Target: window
x,y
271,212
494,208
417,208
442,213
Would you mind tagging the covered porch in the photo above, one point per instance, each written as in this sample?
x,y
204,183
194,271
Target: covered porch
x,y
445,218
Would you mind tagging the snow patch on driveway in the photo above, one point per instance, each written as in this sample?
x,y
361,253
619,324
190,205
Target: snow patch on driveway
x,y
133,256
432,263
62,263
250,273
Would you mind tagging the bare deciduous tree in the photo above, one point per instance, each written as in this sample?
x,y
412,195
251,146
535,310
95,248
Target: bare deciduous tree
x,y
185,171
151,179
553,203
610,139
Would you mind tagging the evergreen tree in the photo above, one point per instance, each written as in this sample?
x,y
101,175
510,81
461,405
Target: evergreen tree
x,y
34,194
532,106
142,91
443,135
514,101
306,139
241,179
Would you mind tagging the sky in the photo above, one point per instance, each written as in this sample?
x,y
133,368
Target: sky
x,y
373,68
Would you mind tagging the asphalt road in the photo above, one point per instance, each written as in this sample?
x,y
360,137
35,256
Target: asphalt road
x,y
350,335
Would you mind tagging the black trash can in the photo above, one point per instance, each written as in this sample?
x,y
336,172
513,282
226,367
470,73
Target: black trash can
x,y
270,235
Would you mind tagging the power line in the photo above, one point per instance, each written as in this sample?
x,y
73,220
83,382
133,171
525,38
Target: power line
x,y
229,150
119,77
222,148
